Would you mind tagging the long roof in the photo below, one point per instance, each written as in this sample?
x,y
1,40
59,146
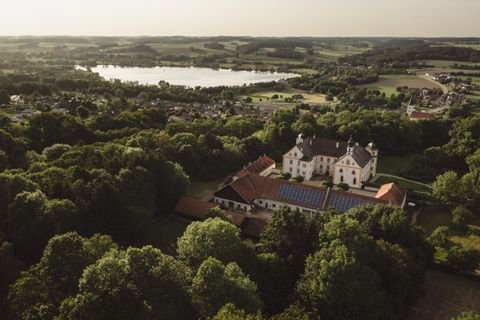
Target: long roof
x,y
250,187
311,147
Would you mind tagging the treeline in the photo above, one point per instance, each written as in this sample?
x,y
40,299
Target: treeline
x,y
405,51
366,264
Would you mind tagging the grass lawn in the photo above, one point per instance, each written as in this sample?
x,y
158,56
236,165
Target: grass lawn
x,y
410,185
203,190
389,83
395,165
163,234
432,217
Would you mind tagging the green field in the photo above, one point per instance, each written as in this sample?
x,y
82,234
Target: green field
x,y
406,184
475,80
203,190
388,84
395,165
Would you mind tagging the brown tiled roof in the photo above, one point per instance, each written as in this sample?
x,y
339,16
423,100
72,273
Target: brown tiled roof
x,y
251,187
420,115
391,193
258,166
312,147
197,209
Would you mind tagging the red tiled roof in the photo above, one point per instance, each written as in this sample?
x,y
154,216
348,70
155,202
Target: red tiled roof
x,y
258,166
197,209
251,187
420,115
392,193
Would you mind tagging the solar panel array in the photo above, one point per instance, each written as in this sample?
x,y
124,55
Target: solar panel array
x,y
301,195
343,203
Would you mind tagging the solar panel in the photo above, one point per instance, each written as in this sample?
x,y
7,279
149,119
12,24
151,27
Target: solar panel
x,y
297,194
344,203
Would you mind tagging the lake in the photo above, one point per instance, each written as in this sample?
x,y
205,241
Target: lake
x,y
190,77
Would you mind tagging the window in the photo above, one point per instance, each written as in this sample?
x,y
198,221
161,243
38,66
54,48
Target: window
x,y
353,172
291,161
298,171
298,162
261,202
348,162
354,180
328,160
321,158
341,178
321,167
304,165
291,171
295,154
303,173
341,170
274,205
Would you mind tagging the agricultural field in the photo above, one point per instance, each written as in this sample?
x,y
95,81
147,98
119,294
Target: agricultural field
x,y
445,296
389,83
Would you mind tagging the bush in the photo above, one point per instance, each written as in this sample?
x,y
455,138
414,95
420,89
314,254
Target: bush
x,y
327,184
463,259
299,179
343,186
460,215
439,237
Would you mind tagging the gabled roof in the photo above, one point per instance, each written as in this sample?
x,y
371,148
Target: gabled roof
x,y
251,187
312,147
257,167
197,209
361,156
392,193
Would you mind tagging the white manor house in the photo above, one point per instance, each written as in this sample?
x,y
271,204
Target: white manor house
x,y
346,162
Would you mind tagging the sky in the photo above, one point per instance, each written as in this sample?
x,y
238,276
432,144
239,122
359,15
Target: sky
x,y
429,18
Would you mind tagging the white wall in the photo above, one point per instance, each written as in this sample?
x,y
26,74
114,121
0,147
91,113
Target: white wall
x,y
224,203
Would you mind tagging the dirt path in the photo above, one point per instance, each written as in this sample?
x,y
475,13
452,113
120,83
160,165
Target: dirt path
x,y
442,86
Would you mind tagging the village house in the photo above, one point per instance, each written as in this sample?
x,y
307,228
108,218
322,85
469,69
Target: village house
x,y
346,162
417,115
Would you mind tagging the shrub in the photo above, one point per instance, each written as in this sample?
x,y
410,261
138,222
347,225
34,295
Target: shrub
x,y
343,186
439,236
463,259
299,179
460,215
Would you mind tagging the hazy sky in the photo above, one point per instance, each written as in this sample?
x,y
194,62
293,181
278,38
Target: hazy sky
x,y
241,17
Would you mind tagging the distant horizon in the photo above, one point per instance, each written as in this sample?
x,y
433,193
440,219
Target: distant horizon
x,y
226,36
258,18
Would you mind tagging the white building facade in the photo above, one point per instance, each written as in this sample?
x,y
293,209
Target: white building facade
x,y
345,162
